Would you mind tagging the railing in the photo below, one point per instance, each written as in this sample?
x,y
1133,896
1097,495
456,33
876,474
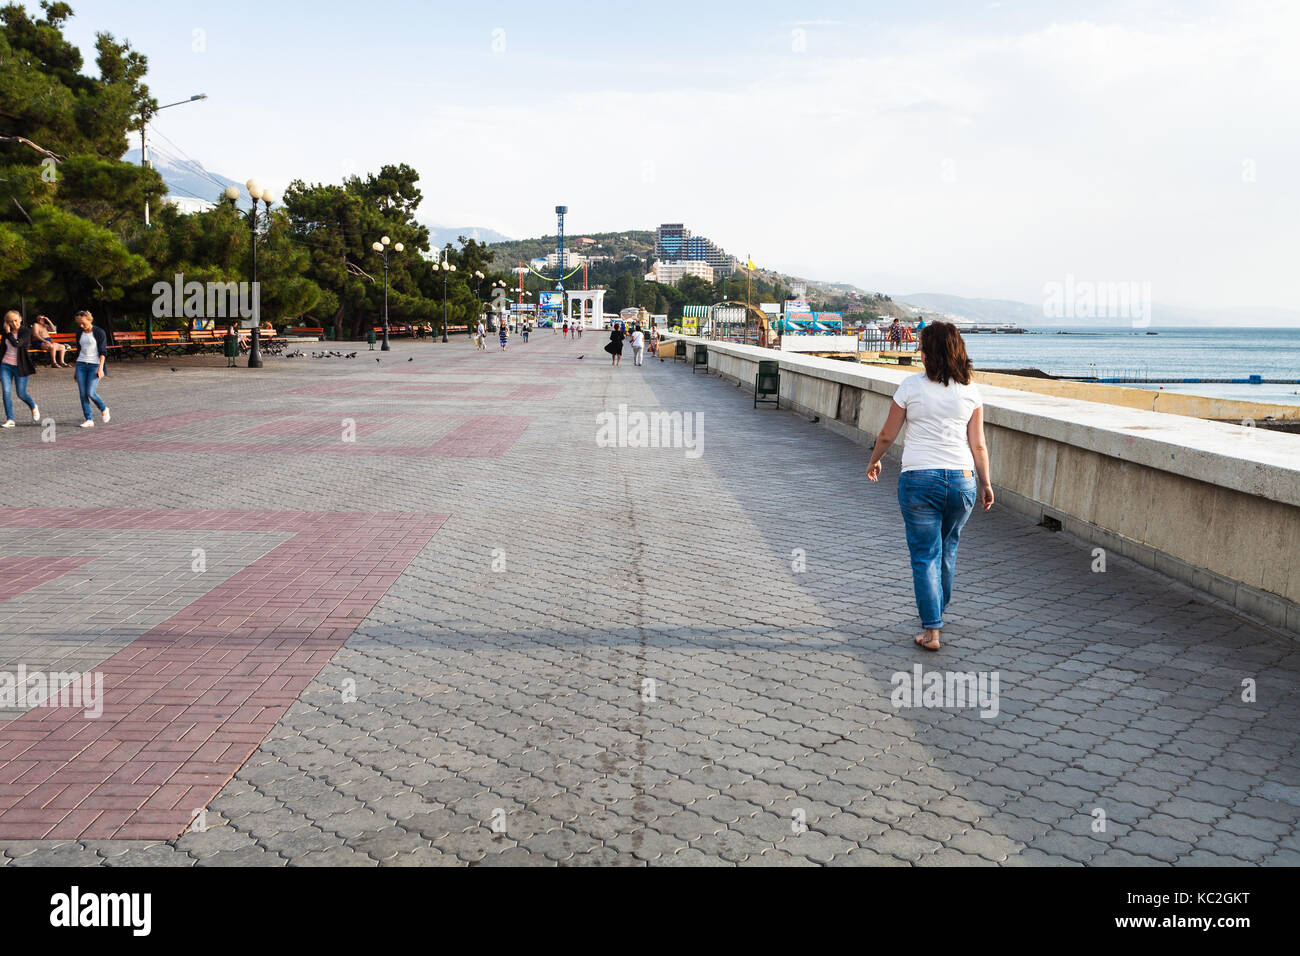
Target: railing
x,y
878,340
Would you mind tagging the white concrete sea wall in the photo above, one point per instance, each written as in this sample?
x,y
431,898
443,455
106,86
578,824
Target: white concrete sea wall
x,y
1213,505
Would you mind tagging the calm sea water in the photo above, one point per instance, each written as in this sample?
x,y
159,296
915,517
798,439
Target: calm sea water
x,y
1172,353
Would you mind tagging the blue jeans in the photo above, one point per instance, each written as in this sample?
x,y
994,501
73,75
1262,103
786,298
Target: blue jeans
x,y
88,386
935,505
9,375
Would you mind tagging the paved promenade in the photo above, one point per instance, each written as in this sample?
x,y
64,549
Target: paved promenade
x,y
407,612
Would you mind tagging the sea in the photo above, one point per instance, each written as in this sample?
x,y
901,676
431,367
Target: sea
x,y
1270,353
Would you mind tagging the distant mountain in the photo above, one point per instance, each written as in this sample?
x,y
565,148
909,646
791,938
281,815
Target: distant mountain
x,y
189,182
980,311
1008,311
616,245
439,236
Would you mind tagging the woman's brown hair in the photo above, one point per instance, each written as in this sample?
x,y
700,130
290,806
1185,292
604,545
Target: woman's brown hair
x,y
944,354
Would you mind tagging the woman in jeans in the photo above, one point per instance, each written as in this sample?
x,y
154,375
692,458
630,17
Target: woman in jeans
x,y
942,457
92,344
16,365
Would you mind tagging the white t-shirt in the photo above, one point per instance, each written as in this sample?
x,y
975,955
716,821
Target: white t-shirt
x,y
937,416
638,340
87,348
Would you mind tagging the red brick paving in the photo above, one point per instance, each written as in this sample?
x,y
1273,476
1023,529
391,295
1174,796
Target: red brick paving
x,y
501,432
22,574
186,704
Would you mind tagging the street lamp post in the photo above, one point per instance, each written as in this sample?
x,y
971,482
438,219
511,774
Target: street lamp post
x,y
447,270
499,284
381,247
478,286
255,192
144,142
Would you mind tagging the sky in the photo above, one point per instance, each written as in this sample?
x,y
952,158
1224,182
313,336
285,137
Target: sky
x,y
983,149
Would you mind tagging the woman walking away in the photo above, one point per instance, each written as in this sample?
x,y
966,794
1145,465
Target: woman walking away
x,y
92,346
638,345
16,365
942,456
615,346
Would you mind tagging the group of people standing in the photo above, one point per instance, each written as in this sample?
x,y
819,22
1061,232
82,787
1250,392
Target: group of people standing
x,y
21,338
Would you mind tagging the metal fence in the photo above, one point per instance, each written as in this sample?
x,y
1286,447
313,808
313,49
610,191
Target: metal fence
x,y
877,340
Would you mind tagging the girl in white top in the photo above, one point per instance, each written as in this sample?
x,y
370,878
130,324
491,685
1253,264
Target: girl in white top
x,y
943,455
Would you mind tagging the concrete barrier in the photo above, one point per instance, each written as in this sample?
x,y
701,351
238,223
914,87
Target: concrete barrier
x,y
1211,504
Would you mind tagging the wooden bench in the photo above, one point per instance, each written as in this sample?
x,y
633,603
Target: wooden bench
x,y
130,343
306,331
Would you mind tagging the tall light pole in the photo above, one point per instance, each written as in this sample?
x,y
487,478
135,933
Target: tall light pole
x,y
255,192
144,142
499,284
381,247
478,286
447,270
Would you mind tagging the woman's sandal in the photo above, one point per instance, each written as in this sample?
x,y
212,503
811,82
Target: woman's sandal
x,y
930,645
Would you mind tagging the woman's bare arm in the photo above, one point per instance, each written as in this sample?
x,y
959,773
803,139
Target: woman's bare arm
x,y
975,435
888,435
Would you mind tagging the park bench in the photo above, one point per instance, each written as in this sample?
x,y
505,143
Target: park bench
x,y
130,344
306,331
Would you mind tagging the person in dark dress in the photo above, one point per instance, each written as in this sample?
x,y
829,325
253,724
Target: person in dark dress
x,y
615,346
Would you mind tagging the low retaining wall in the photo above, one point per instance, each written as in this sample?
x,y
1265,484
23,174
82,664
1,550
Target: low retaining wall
x,y
1213,505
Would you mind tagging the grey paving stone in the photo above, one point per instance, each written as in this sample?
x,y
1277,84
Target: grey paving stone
x,y
522,691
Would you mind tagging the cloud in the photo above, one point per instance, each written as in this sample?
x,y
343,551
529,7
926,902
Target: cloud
x,y
975,163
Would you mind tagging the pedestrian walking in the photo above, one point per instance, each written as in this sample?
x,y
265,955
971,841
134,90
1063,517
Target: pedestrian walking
x,y
565,333
16,365
92,351
615,346
945,467
638,345
504,334
525,331
479,337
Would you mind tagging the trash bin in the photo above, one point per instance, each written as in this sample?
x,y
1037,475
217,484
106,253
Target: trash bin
x,y
370,337
701,359
230,346
768,383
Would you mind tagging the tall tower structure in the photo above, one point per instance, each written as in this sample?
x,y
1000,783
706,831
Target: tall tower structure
x,y
560,261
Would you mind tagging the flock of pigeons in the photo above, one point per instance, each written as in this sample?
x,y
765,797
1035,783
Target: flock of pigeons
x,y
322,355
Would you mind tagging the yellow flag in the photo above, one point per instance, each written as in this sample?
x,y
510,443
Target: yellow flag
x,y
751,267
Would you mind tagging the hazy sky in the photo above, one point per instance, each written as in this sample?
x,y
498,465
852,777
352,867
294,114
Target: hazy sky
x,y
980,149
